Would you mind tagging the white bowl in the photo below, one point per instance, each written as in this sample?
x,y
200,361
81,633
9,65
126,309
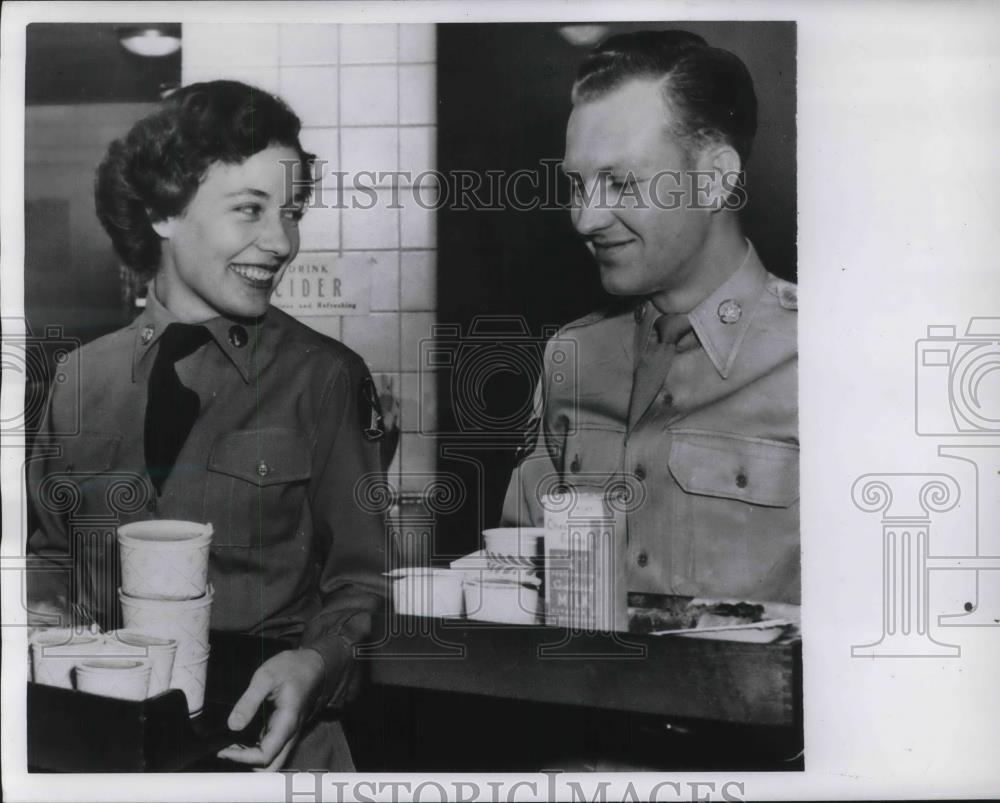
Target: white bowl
x,y
425,591
514,548
503,601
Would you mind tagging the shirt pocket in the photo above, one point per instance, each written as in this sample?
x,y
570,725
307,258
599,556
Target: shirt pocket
x,y
257,481
734,518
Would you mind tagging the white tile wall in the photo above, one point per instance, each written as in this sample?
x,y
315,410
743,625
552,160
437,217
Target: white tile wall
x,y
367,98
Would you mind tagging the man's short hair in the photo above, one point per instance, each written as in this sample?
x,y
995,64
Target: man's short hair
x,y
153,172
708,90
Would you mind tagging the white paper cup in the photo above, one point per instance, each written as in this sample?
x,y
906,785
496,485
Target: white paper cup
x,y
425,591
164,559
514,548
185,621
124,678
160,652
56,651
190,677
507,602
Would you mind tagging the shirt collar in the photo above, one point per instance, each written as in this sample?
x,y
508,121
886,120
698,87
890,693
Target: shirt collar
x,y
238,341
721,321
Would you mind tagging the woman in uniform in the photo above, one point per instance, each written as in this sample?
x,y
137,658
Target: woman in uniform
x,y
218,407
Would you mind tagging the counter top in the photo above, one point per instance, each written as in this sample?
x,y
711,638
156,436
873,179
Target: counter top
x,y
673,676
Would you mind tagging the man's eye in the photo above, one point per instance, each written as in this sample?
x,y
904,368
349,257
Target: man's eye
x,y
623,182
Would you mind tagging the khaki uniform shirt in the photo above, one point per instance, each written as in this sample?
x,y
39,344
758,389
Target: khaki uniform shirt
x,y
273,463
704,483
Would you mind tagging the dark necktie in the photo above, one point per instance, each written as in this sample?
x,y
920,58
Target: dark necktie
x,y
171,408
654,362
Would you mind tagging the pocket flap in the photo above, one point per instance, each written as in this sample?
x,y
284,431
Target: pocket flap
x,y
753,470
262,456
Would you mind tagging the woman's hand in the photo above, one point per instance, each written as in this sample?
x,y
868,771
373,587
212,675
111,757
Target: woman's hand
x,y
292,681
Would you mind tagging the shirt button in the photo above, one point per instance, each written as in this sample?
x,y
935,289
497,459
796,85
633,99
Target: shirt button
x,y
147,334
238,336
642,559
668,400
640,473
741,480
263,469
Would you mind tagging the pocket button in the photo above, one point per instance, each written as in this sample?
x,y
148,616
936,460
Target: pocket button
x,y
263,469
741,480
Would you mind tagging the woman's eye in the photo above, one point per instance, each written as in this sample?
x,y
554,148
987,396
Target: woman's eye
x,y
249,210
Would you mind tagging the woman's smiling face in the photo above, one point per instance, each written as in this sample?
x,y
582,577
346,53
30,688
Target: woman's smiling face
x,y
226,252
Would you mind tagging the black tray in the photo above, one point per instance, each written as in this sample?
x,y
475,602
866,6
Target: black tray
x,y
72,731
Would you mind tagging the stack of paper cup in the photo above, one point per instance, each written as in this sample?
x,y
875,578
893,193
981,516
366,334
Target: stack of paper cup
x,y
165,593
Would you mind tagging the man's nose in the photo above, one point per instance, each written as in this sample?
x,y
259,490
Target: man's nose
x,y
591,210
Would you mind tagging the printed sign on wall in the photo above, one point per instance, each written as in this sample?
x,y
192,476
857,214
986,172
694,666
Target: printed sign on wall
x,y
324,284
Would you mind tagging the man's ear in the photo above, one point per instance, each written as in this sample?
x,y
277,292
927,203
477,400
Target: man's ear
x,y
722,163
163,227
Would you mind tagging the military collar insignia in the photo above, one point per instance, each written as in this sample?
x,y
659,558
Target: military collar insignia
x,y
721,321
237,340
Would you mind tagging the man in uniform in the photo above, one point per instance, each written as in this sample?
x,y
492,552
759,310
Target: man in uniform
x,y
683,395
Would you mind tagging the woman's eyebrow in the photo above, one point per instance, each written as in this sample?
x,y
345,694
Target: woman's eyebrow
x,y
249,191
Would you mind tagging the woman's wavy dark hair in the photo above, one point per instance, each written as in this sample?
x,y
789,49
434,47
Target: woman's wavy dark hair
x,y
153,172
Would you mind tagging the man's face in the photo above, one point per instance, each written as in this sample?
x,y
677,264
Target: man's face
x,y
227,251
646,236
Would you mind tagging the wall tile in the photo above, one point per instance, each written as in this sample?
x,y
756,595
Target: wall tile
x,y
417,42
418,393
230,45
418,94
264,78
312,94
368,44
416,327
375,227
418,462
308,44
418,221
418,281
328,325
368,95
385,281
370,149
375,337
325,143
319,229
417,146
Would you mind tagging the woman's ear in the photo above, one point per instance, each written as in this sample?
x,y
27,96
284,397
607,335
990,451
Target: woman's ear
x,y
163,227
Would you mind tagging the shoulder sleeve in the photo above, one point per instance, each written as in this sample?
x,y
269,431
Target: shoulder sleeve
x,y
349,525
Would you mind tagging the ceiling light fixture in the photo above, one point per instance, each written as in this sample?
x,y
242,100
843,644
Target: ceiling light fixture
x,y
152,40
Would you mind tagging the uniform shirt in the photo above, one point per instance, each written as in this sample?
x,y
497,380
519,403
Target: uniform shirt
x,y
704,482
273,463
